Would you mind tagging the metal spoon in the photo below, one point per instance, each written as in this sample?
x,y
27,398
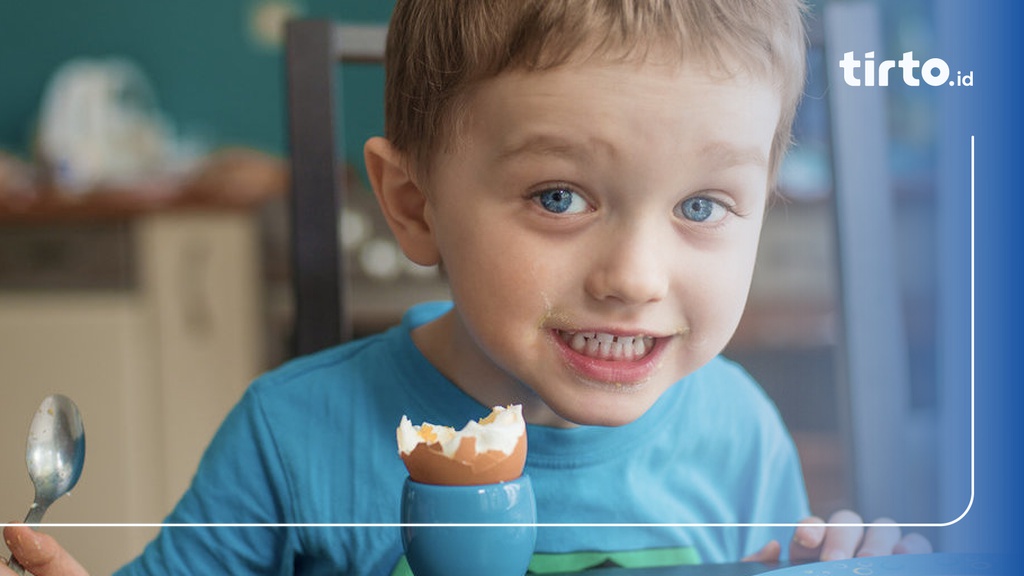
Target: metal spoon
x,y
54,455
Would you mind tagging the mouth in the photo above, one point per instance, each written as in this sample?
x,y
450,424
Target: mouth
x,y
622,360
608,347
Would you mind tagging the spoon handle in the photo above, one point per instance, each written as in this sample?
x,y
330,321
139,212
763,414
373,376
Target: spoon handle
x,y
35,515
13,564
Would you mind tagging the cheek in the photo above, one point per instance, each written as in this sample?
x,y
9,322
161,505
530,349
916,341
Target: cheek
x,y
718,295
489,271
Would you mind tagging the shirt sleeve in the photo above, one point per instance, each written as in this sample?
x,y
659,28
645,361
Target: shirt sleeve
x,y
240,480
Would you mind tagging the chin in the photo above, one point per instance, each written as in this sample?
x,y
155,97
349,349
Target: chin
x,y
612,412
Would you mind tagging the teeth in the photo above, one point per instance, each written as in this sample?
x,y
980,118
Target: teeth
x,y
610,350
608,347
640,347
578,341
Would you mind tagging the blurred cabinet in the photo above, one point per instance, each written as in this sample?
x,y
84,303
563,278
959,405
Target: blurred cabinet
x,y
153,325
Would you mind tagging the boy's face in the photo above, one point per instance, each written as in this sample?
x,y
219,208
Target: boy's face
x,y
598,223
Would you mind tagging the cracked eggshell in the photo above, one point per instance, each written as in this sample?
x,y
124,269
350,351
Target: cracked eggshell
x,y
441,455
428,465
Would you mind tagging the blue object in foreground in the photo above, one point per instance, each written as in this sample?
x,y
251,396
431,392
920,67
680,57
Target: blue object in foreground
x,y
939,564
493,550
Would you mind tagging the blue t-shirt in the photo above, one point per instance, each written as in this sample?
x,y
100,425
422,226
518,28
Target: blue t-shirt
x,y
313,442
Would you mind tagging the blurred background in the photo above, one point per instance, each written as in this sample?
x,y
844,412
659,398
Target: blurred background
x,y
144,243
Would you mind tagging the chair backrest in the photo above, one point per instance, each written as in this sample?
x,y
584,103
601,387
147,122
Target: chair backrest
x,y
314,50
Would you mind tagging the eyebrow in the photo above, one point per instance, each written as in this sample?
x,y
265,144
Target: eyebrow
x,y
727,155
549,145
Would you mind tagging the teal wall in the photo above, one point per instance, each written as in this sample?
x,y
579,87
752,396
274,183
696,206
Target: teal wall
x,y
211,79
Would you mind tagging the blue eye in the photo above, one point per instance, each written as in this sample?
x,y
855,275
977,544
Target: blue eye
x,y
561,201
701,209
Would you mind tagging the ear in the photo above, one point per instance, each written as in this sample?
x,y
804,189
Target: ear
x,y
403,202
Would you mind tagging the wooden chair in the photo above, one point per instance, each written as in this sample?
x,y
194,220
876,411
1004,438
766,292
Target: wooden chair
x,y
314,50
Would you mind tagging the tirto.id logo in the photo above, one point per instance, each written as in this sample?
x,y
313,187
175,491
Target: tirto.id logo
x,y
934,71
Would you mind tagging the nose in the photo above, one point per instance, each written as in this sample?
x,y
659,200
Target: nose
x,y
631,267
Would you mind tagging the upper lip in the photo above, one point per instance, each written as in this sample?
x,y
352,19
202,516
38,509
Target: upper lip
x,y
614,332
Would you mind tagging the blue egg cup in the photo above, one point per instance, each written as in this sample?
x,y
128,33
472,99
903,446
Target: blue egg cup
x,y
469,530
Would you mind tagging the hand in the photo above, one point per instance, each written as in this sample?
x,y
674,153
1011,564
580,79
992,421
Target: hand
x,y
39,553
814,541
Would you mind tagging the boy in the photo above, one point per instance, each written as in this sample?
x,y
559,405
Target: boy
x,y
592,175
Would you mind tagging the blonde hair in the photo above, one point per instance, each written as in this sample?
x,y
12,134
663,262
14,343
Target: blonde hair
x,y
437,50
